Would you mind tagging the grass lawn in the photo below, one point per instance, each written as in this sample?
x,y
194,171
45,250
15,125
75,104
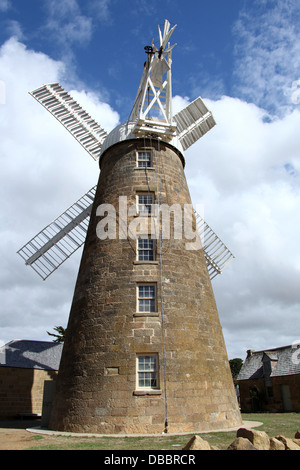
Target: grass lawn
x,y
273,424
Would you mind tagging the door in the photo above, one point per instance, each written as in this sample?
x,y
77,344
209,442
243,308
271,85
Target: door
x,y
286,398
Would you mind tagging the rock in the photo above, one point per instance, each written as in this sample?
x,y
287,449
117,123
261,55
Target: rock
x,y
297,435
288,443
197,443
241,443
275,444
259,439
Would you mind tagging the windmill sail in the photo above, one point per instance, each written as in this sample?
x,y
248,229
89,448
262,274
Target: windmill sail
x,y
193,122
72,116
217,254
51,247
60,239
151,115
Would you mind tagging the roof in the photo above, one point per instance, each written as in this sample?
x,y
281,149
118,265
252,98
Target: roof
x,y
285,361
125,131
28,354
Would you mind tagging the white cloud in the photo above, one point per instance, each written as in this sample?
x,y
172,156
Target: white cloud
x,y
70,24
14,29
43,171
67,24
267,51
246,173
100,9
5,5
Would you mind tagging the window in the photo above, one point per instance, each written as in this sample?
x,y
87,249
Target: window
x,y
144,159
145,249
146,298
145,203
147,371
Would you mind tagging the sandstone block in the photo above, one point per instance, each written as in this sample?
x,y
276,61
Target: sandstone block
x,y
288,443
275,444
197,443
241,443
259,439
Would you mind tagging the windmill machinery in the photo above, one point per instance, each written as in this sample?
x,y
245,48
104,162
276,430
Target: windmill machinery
x,y
151,116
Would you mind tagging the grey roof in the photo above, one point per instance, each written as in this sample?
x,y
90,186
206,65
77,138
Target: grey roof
x,y
31,354
285,361
271,355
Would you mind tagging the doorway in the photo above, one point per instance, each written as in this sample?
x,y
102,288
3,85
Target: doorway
x,y
286,398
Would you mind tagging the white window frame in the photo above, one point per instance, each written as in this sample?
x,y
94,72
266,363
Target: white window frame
x,y
141,249
147,371
144,158
152,299
145,208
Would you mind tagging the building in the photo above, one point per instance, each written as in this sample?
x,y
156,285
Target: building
x,y
24,367
270,380
144,340
144,350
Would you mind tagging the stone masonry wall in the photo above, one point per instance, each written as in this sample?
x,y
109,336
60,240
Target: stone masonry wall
x,y
97,384
264,402
21,390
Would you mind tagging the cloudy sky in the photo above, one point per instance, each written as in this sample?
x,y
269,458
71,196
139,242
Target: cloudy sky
x,y
243,58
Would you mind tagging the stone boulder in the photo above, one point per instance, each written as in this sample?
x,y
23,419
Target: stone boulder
x,y
289,444
275,444
259,439
197,443
241,443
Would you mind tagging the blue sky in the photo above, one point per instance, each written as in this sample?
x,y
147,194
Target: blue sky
x,y
243,58
103,41
222,46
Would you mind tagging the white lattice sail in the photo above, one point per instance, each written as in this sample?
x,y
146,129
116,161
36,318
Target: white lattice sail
x,y
60,239
217,254
151,115
72,116
193,122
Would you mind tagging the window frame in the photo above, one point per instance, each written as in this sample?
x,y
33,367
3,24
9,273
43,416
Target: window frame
x,y
140,161
145,205
141,250
143,370
140,298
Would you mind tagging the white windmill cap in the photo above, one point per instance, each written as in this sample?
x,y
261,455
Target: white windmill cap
x,y
125,131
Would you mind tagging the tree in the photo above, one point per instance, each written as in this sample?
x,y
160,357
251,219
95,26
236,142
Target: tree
x,y
60,337
235,367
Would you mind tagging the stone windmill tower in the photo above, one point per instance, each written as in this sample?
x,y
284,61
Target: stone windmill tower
x,y
144,350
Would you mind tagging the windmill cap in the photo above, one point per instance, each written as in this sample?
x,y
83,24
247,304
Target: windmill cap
x,y
125,131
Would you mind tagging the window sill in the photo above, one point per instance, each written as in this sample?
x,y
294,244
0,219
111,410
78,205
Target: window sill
x,y
147,216
146,314
142,393
145,168
146,262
